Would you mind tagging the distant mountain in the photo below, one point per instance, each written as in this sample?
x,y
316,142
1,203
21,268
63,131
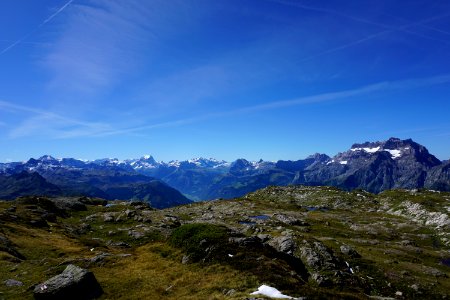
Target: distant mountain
x,y
301,165
24,183
70,177
373,166
438,178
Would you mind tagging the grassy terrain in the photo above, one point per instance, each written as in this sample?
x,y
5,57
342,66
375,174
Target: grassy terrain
x,y
227,249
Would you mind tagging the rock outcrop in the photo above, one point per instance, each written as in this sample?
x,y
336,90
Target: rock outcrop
x,y
73,283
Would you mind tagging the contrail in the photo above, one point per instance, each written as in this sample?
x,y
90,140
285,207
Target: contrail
x,y
372,36
56,13
358,19
388,28
66,127
31,43
89,129
37,28
319,98
330,11
421,25
8,106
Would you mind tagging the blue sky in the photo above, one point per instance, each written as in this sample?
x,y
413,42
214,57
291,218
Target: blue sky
x,y
270,79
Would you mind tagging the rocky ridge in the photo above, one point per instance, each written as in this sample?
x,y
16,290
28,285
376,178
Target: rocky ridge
x,y
308,242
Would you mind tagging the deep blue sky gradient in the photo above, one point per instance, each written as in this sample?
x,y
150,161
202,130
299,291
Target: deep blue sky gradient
x,y
270,79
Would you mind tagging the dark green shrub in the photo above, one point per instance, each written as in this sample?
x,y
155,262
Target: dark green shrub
x,y
196,239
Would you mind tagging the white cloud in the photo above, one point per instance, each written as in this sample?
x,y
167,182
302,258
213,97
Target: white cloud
x,y
98,43
56,127
102,42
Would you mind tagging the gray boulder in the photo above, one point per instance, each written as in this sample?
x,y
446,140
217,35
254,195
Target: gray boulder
x,y
136,234
170,221
110,216
285,244
99,258
347,250
13,282
317,256
73,283
290,220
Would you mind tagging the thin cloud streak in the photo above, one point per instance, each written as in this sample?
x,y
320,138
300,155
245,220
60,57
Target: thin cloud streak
x,y
61,127
57,12
28,43
432,28
326,97
14,107
361,20
99,42
372,36
36,29
44,121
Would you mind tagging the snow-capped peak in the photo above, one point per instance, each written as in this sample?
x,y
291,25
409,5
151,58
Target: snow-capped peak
x,y
206,162
108,161
48,158
395,153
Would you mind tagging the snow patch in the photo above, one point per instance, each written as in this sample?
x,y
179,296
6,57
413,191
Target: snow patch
x,y
222,164
368,150
395,153
343,162
174,163
270,292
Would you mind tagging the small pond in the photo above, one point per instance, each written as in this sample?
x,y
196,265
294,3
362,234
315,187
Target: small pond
x,y
256,218
260,217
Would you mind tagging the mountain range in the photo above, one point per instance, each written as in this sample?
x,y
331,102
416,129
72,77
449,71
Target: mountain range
x,y
69,177
372,166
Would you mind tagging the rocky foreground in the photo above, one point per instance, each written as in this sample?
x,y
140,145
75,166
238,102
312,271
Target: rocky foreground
x,y
307,242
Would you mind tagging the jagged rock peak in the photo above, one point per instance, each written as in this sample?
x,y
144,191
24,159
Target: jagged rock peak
x,y
148,158
241,163
398,149
319,157
391,143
